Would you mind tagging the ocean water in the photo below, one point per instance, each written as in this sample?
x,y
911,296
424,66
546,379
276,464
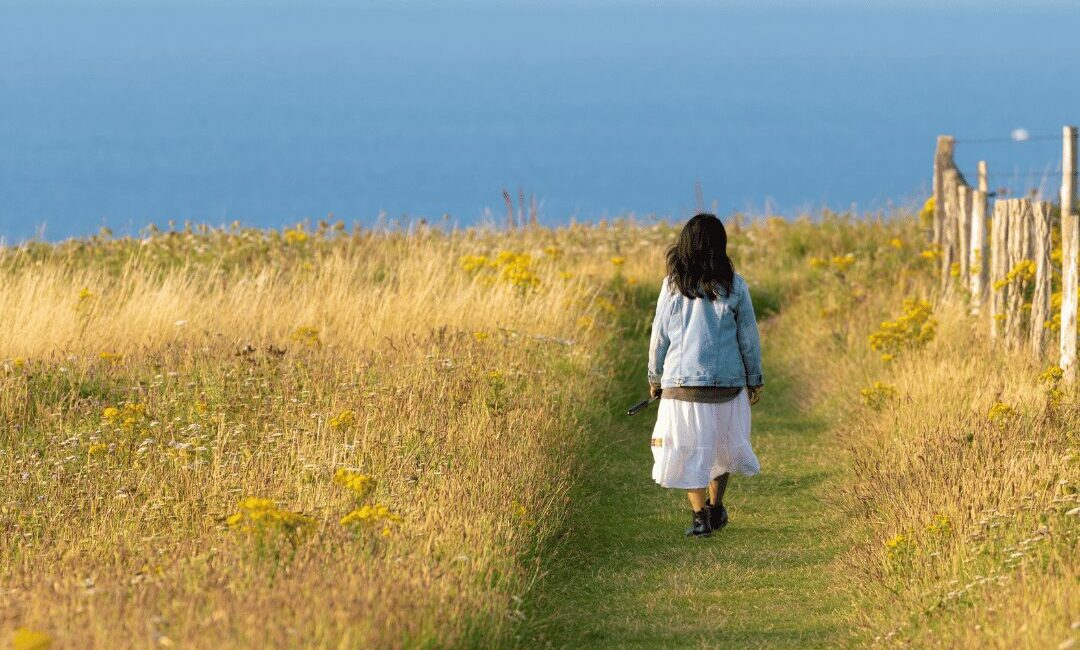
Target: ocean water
x,y
121,114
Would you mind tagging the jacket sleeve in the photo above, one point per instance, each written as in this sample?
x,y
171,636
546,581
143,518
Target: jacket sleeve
x,y
658,340
749,340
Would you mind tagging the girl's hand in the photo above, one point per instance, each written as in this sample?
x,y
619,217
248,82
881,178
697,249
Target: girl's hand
x,y
755,394
654,390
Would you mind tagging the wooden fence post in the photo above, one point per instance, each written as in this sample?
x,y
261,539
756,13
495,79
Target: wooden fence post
x,y
1013,255
950,181
999,260
1070,249
943,159
964,205
1020,218
978,250
1040,301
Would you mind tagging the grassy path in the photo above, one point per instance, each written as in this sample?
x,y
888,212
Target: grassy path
x,y
625,576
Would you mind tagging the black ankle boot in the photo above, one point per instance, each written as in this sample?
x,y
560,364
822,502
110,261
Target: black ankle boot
x,y
717,515
701,526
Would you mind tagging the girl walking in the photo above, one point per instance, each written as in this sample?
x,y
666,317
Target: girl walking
x,y
705,365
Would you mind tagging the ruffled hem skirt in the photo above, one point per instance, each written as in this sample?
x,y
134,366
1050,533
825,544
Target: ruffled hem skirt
x,y
694,442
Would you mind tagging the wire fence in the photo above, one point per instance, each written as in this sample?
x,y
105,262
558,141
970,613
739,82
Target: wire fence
x,y
1035,184
1002,261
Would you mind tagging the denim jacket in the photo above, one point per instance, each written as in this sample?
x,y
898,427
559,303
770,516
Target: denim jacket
x,y
698,342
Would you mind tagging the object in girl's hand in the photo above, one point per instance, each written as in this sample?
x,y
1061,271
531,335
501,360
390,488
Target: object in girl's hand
x,y
640,406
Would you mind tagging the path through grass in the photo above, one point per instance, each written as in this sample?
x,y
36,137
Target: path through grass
x,y
625,576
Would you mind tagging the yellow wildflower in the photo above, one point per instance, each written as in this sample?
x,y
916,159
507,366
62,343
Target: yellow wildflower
x,y
296,234
618,261
913,328
926,215
1024,271
931,254
1000,412
518,272
480,336
470,263
896,541
896,242
306,335
359,484
370,515
343,420
1051,375
110,357
255,515
27,639
939,525
841,263
504,258
513,268
876,395
86,301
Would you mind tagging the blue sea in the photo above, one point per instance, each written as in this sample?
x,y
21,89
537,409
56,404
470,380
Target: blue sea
x,y
120,114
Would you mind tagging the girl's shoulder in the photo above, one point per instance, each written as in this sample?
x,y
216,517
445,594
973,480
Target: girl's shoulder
x,y
739,284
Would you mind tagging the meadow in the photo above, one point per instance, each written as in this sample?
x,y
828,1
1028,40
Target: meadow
x,y
334,437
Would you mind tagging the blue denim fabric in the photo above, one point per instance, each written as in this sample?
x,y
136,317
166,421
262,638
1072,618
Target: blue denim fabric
x,y
698,342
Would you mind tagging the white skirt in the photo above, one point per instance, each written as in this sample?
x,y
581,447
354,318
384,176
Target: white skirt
x,y
694,442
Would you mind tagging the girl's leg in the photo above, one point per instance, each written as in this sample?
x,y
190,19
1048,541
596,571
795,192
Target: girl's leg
x,y
717,487
697,498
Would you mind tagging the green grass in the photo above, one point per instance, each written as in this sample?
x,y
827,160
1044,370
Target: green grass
x,y
624,576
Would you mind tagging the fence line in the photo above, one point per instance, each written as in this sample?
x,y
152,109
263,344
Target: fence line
x,y
1002,263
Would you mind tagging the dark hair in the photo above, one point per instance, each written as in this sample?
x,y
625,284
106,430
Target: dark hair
x,y
698,261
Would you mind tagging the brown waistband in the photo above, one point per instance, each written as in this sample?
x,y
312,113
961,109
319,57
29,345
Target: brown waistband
x,y
706,394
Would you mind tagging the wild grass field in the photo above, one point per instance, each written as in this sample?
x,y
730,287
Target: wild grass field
x,y
323,437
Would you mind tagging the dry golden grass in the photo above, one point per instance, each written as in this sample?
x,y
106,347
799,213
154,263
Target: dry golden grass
x,y
148,388
966,514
